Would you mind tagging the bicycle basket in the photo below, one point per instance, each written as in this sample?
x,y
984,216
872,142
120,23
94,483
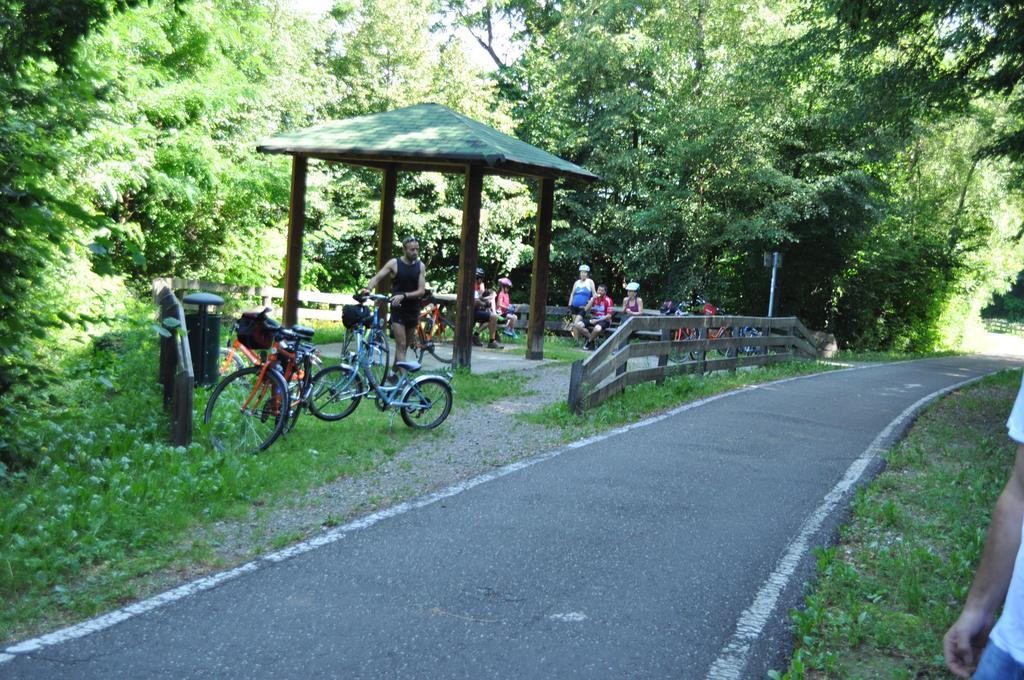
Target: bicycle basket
x,y
255,331
354,316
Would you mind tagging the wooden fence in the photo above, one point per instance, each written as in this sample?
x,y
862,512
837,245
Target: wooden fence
x,y
176,373
1003,326
606,372
272,296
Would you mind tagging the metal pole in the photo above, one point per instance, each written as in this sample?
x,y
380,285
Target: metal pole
x,y
771,294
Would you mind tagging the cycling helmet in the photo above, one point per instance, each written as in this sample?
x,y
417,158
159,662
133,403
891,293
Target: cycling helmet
x,y
632,285
505,281
584,268
479,272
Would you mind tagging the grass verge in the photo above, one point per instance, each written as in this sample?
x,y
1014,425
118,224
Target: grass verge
x,y
649,398
106,504
895,582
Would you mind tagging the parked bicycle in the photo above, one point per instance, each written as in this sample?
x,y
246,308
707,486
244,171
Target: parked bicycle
x,y
366,327
254,333
250,408
424,401
679,355
435,333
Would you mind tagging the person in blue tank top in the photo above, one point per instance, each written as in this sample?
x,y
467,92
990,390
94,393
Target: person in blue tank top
x,y
408,286
582,290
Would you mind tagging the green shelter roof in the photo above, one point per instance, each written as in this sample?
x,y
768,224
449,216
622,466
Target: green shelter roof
x,y
422,137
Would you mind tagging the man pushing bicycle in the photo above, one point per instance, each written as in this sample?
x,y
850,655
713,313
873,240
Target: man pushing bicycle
x,y
409,284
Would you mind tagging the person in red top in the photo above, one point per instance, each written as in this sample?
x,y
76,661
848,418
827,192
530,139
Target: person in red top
x,y
599,317
503,305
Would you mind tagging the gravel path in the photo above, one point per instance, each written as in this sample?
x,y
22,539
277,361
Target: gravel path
x,y
464,448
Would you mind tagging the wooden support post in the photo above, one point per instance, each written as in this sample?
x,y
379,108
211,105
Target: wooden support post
x,y
296,226
666,335
541,266
386,228
575,383
467,266
181,417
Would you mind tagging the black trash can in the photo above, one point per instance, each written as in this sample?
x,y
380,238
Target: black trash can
x,y
203,326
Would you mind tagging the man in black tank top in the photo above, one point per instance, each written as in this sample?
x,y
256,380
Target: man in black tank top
x,y
409,285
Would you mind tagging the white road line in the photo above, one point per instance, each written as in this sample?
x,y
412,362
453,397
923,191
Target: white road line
x,y
105,621
732,659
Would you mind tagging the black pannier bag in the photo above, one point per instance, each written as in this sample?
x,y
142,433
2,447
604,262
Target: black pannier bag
x,y
354,316
256,331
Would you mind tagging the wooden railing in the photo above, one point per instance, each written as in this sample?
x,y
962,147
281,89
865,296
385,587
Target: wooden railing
x,y
1003,326
271,296
176,373
606,372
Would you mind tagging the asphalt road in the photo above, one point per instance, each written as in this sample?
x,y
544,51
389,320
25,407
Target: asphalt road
x,y
632,556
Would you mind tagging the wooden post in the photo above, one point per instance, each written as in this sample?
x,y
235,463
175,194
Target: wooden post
x,y
575,383
467,266
386,228
541,265
666,335
296,225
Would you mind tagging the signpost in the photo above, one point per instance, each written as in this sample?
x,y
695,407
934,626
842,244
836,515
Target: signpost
x,y
773,260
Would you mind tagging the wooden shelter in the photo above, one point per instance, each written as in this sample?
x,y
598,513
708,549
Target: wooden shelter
x,y
428,138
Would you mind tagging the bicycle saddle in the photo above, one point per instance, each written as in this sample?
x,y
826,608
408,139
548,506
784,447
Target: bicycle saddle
x,y
304,332
411,366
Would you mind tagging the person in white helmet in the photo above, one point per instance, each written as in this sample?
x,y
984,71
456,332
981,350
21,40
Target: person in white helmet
x,y
632,305
582,290
505,308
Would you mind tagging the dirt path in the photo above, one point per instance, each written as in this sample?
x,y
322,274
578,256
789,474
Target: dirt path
x,y
472,442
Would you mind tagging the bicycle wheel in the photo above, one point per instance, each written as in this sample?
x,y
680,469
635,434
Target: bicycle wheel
x,y
420,340
231,360
246,413
748,332
442,341
677,355
432,399
336,392
720,333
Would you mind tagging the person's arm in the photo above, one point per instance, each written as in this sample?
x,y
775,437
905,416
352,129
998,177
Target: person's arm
x,y
967,636
639,305
389,269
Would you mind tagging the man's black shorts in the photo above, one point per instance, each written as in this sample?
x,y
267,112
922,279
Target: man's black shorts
x,y
481,314
407,316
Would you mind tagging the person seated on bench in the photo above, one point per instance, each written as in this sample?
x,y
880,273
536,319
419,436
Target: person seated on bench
x,y
484,312
632,305
503,305
599,317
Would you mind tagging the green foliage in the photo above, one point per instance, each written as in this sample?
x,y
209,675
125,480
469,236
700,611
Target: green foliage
x,y
887,593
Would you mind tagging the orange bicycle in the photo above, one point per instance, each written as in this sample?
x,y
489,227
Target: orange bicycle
x,y
435,333
254,333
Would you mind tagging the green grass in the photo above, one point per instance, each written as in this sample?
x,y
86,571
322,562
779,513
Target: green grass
x,y
648,398
108,504
886,594
879,357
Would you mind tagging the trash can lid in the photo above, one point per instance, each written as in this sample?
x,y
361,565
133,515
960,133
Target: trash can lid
x,y
202,299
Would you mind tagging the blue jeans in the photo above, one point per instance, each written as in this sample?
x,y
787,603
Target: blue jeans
x,y
996,664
